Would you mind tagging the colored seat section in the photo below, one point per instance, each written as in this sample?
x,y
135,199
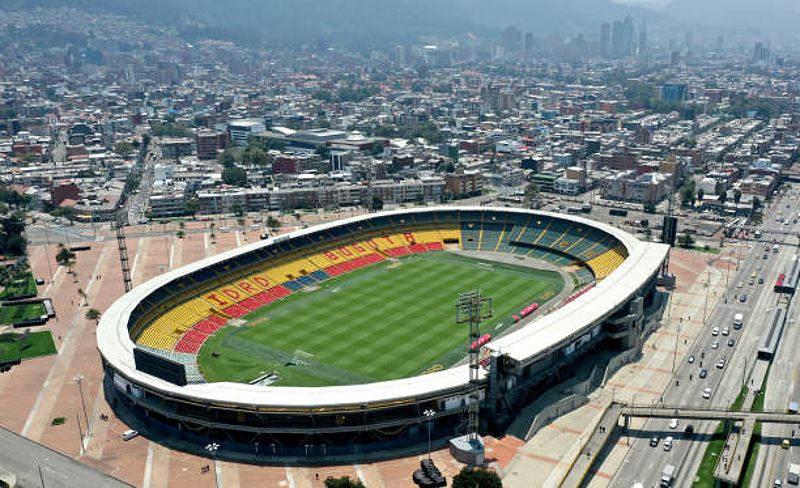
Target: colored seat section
x,y
292,267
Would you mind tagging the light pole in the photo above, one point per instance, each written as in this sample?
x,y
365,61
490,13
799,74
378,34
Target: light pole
x,y
429,414
212,449
78,380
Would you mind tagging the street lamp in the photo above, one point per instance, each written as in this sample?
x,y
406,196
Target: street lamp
x,y
78,380
429,414
212,449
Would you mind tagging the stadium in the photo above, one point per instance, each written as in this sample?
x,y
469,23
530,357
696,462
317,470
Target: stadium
x,y
332,341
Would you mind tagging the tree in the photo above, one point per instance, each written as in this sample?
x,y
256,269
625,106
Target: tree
x,y
65,257
447,167
737,196
531,193
192,205
476,478
273,224
180,234
123,148
93,314
377,202
254,156
700,194
687,193
649,207
227,158
343,482
235,176
686,240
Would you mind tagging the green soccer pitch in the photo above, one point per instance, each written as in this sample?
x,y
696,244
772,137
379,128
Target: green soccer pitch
x,y
386,321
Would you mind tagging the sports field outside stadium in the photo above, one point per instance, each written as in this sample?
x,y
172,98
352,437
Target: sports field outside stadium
x,y
391,320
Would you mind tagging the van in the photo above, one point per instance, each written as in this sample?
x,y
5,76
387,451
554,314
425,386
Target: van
x,y
129,434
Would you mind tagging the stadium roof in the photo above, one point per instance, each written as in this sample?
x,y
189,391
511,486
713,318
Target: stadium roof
x,y
546,332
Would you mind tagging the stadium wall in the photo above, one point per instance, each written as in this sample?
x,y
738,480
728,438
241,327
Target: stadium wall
x,y
358,419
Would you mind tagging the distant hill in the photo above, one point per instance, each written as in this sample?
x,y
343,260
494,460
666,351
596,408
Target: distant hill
x,y
366,23
355,22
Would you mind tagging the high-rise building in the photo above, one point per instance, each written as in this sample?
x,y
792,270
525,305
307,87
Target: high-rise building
x,y
761,53
674,92
642,47
622,38
605,40
528,47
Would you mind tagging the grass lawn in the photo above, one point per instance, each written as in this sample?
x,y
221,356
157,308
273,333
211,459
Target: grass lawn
x,y
12,314
24,286
705,473
36,344
386,321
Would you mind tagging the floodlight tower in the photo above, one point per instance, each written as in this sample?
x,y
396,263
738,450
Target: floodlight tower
x,y
118,224
471,308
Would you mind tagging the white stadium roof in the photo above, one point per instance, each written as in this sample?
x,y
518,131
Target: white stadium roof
x,y
544,333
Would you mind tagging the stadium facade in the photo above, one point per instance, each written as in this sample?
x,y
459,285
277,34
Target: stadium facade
x,y
148,337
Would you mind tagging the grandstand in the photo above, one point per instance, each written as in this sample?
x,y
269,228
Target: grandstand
x,y
177,314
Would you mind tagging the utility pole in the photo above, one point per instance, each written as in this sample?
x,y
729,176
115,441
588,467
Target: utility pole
x,y
78,380
471,308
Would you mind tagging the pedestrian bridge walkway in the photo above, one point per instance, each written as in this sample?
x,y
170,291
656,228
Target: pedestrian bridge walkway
x,y
582,465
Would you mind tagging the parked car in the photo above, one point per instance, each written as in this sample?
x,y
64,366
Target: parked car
x,y
706,393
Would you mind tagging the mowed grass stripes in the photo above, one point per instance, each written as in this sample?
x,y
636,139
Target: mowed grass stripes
x,y
387,321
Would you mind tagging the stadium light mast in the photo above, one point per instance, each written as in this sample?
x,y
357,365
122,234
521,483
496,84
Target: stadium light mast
x,y
472,307
118,225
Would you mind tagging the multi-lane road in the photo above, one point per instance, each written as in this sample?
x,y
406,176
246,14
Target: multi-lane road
x,y
645,462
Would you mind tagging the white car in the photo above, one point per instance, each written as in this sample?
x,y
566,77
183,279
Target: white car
x,y
668,443
714,344
129,434
726,331
673,424
706,393
715,331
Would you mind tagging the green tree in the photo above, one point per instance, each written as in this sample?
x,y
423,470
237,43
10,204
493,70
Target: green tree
x,y
687,193
123,148
235,176
700,194
649,207
477,478
254,156
737,196
377,202
192,205
446,167
273,224
452,151
531,193
93,314
343,482
227,158
65,257
686,240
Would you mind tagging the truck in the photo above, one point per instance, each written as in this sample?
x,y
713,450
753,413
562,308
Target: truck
x,y
667,476
738,320
794,474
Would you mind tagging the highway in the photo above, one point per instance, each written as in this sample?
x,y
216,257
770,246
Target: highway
x,y
644,463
